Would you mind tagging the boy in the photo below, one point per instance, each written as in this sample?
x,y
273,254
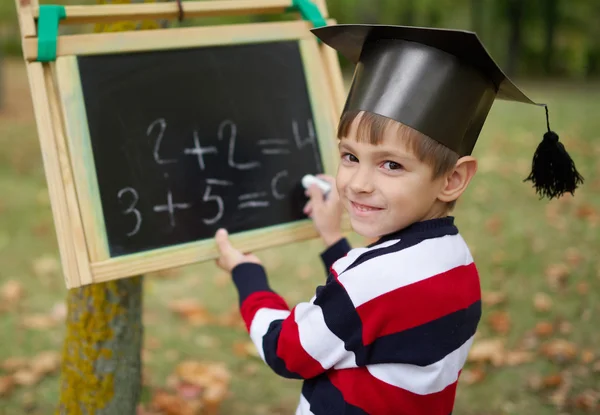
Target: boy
x,y
390,330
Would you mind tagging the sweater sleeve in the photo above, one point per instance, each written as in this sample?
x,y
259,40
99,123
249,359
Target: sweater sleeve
x,y
297,343
334,252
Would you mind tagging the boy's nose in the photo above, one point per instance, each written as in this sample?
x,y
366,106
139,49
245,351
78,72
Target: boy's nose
x,y
362,181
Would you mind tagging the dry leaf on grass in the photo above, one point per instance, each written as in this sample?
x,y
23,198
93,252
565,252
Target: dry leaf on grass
x,y
552,381
12,364
494,225
472,376
544,329
499,321
542,302
7,383
45,266
588,401
46,363
556,275
492,298
573,256
170,404
517,357
487,350
27,377
559,350
232,319
587,356
245,349
191,311
39,321
11,292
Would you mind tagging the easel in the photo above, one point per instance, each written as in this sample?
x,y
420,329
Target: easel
x,y
77,251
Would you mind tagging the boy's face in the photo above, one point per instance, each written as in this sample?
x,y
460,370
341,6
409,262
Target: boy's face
x,y
385,187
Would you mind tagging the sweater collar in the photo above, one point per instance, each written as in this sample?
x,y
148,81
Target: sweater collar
x,y
426,229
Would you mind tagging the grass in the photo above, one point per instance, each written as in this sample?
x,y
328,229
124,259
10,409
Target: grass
x,y
515,238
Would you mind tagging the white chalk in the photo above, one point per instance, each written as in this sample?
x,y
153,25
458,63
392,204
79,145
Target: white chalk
x,y
309,180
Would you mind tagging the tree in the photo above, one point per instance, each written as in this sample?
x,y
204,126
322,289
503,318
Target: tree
x,y
514,14
551,16
101,369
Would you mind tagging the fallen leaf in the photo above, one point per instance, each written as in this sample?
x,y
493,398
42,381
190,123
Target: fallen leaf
x,y
492,298
26,377
191,311
552,381
587,356
12,364
517,357
587,400
222,279
39,321
206,341
556,275
472,376
170,404
542,302
59,311
587,211
46,363
565,327
245,349
7,384
535,382
559,350
500,322
488,350
232,318
202,374
11,292
544,329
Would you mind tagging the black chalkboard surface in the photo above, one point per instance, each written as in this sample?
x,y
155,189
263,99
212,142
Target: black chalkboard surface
x,y
187,141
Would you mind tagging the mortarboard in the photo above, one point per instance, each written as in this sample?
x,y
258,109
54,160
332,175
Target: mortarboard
x,y
442,83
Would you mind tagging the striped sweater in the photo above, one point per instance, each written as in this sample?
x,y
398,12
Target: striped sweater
x,y
388,333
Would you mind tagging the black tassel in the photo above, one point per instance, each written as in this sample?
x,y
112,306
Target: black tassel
x,y
553,172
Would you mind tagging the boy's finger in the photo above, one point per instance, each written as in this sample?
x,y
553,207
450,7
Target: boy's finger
x,y
222,240
316,196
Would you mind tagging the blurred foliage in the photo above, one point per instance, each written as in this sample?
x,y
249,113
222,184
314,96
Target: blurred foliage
x,y
559,38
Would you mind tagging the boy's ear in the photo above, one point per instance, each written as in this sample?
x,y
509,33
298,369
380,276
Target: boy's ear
x,y
458,179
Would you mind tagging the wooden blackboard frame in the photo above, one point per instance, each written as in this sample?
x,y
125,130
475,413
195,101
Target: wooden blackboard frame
x,y
65,141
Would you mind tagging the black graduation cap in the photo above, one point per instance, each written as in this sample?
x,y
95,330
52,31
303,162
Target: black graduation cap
x,y
441,82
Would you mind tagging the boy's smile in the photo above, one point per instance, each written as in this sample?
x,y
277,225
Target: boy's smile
x,y
384,187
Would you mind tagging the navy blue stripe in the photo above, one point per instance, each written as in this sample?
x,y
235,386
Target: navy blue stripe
x,y
269,346
426,344
406,241
325,399
248,279
421,345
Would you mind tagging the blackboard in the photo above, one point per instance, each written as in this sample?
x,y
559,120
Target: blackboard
x,y
187,141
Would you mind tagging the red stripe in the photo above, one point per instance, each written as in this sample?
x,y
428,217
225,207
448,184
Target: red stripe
x,y
290,350
361,389
258,300
420,303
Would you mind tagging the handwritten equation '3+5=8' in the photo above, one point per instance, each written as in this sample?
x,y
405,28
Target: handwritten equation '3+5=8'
x,y
157,129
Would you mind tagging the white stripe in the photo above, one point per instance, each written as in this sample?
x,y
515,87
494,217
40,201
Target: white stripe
x,y
423,380
341,264
390,271
320,342
303,407
260,325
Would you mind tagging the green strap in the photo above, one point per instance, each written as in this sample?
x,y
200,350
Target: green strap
x,y
309,11
50,16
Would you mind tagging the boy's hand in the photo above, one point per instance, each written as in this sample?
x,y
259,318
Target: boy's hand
x,y
325,213
229,257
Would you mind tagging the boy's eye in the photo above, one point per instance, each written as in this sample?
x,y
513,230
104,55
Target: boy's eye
x,y
349,157
392,165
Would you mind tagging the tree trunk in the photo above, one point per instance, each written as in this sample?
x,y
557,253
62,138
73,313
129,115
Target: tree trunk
x,y
515,19
102,367
408,13
550,23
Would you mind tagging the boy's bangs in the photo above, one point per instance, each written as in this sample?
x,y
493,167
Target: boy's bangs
x,y
371,128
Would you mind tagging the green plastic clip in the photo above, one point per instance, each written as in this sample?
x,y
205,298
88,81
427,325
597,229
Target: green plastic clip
x,y
50,16
309,11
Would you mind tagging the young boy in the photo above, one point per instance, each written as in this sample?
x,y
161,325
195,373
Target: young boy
x,y
390,330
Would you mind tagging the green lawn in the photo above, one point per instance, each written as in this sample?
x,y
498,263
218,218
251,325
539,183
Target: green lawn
x,y
522,246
